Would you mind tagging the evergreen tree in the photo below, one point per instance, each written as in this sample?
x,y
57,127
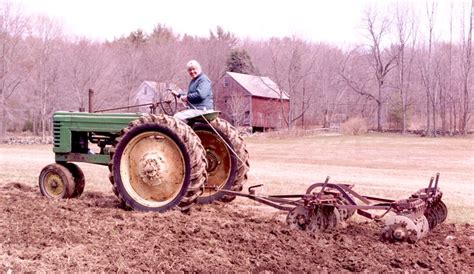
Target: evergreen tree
x,y
239,61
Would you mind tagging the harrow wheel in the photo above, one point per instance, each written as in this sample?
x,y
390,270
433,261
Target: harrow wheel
x,y
333,217
436,214
79,179
318,221
400,228
159,163
227,159
321,218
56,182
342,214
299,218
444,211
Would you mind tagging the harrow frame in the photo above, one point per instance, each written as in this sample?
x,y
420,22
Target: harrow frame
x,y
326,205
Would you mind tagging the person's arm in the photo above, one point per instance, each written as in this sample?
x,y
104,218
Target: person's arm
x,y
202,90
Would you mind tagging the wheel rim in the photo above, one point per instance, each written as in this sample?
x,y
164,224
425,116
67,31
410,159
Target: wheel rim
x,y
219,167
152,169
53,185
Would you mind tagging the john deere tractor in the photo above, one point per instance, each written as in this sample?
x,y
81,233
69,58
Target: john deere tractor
x,y
156,161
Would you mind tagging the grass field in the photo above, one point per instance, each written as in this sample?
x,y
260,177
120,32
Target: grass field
x,y
390,166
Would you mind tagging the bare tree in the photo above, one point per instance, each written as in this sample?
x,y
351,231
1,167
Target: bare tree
x,y
85,67
129,60
324,82
406,31
331,90
215,51
382,62
47,37
12,27
466,71
292,66
162,61
446,101
359,80
379,60
426,70
237,106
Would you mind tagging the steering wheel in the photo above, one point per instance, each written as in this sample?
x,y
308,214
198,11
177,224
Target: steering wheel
x,y
168,102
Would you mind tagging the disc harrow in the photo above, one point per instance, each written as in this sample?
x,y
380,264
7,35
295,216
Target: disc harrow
x,y
327,206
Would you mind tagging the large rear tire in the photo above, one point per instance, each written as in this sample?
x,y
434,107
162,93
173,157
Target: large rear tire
x,y
159,163
227,159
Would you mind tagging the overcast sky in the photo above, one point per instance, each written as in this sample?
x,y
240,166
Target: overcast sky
x,y
333,21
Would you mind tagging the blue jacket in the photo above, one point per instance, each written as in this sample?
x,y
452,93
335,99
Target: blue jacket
x,y
200,93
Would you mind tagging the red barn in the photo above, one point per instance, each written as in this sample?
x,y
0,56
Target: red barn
x,y
251,101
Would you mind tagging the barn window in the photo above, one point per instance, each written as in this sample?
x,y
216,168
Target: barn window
x,y
226,81
145,90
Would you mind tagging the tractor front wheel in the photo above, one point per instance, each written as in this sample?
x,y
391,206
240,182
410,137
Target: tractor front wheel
x,y
56,182
79,179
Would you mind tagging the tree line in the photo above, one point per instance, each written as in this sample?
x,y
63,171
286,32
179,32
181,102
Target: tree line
x,y
402,77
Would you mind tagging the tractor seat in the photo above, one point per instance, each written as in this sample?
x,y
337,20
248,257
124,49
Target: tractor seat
x,y
208,115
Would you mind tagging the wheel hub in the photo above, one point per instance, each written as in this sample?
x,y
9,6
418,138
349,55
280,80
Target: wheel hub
x,y
53,185
212,161
149,168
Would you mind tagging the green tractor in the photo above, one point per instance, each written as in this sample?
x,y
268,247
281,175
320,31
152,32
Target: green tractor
x,y
156,161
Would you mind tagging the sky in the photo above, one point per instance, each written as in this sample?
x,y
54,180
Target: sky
x,y
332,21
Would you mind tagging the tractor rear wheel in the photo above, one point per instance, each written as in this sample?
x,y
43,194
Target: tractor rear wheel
x,y
227,159
159,163
56,182
79,179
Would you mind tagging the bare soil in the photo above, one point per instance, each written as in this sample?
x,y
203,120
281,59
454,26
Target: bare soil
x,y
93,234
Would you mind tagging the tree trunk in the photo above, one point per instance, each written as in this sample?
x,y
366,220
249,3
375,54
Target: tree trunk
x,y
303,106
466,111
433,113
3,122
428,114
43,116
326,118
379,110
442,112
467,70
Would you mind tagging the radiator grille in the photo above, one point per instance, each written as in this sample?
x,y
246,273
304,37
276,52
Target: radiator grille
x,y
56,133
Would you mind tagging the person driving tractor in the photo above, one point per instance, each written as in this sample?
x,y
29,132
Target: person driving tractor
x,y
199,98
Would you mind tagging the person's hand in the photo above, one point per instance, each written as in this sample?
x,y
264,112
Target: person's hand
x,y
174,92
184,98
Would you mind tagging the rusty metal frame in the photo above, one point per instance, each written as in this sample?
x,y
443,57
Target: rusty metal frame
x,y
287,202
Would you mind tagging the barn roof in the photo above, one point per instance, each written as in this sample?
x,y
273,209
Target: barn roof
x,y
260,86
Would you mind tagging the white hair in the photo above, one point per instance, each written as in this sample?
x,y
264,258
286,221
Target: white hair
x,y
194,64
